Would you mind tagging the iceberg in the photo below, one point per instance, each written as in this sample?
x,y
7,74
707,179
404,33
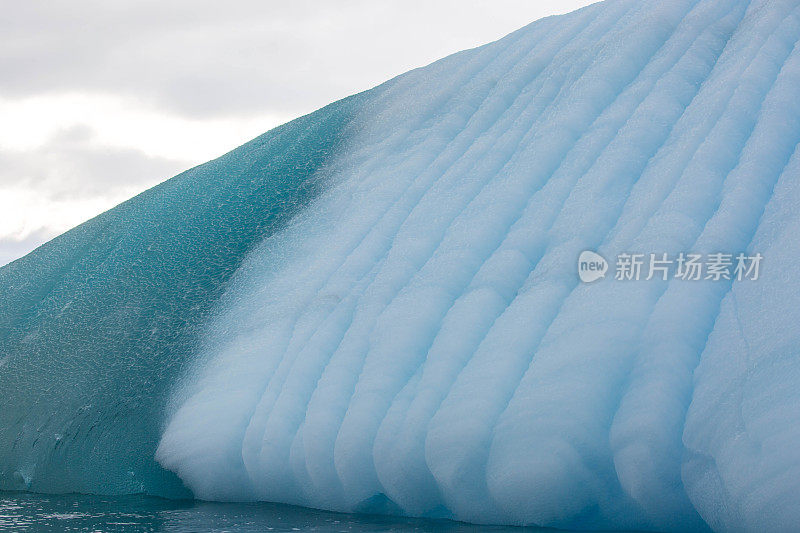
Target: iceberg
x,y
376,307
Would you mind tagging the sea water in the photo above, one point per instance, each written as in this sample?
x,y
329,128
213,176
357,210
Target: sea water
x,y
25,511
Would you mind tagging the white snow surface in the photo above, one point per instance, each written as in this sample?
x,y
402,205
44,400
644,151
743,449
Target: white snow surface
x,y
418,341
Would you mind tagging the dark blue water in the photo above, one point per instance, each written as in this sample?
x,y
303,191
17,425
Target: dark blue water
x,y
21,511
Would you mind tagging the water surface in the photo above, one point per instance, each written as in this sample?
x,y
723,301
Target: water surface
x,y
22,511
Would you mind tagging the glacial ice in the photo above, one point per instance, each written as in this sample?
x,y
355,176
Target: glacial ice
x,y
376,307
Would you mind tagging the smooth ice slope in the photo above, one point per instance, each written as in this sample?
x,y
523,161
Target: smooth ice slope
x,y
410,334
97,325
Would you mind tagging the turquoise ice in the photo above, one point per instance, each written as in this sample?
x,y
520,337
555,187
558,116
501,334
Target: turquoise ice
x,y
97,325
376,307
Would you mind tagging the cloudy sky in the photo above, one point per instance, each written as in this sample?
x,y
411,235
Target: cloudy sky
x,y
100,100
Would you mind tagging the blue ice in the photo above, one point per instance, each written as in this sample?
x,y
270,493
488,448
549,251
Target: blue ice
x,y
391,319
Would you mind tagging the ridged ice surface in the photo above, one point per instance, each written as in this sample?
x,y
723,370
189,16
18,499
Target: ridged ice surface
x,y
416,339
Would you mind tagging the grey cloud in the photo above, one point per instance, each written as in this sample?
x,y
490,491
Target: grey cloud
x,y
73,165
197,58
204,58
12,248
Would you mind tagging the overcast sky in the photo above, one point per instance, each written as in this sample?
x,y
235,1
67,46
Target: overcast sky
x,y
100,100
